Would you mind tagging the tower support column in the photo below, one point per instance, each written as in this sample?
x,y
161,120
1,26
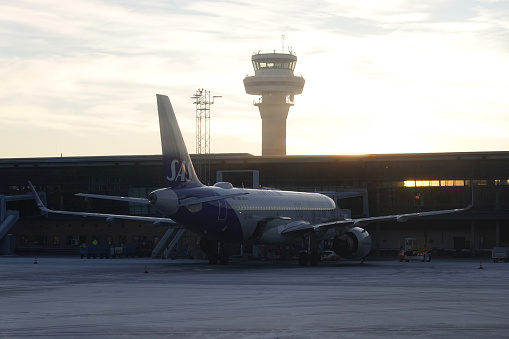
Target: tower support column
x,y
274,112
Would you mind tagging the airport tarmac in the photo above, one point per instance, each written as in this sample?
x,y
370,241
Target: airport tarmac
x,y
72,297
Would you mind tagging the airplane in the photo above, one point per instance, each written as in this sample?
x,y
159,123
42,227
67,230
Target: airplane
x,y
223,215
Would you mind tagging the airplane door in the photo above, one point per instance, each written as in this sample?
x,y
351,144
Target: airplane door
x,y
222,210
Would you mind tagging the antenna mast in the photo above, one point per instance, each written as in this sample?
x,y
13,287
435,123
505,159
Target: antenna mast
x,y
202,165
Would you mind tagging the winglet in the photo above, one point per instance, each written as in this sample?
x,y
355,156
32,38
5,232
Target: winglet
x,y
38,200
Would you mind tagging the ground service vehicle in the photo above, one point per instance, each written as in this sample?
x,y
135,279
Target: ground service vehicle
x,y
500,253
329,255
415,249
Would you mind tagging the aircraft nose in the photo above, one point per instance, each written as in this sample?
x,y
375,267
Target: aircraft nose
x,y
164,200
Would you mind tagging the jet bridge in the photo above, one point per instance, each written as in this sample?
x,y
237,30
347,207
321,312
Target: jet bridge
x,y
7,220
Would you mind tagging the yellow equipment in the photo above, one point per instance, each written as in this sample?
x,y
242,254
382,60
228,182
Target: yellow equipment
x,y
415,249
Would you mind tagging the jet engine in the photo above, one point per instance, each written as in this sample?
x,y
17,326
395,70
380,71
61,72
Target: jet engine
x,y
165,201
353,244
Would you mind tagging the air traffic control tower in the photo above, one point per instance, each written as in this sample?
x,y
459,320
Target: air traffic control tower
x,y
275,82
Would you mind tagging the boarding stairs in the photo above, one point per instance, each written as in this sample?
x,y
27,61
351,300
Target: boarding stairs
x,y
168,242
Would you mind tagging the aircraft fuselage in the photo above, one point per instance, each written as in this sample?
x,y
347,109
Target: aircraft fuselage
x,y
258,216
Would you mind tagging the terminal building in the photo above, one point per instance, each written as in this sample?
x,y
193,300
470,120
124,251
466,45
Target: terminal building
x,y
367,185
362,185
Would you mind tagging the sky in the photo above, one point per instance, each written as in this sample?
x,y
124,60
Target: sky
x,y
80,78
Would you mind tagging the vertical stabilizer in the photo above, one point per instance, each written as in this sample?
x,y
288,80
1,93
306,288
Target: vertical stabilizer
x,y
178,168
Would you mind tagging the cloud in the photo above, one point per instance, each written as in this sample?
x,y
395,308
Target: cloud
x,y
88,70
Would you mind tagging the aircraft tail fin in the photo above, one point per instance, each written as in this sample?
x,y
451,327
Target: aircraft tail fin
x,y
178,168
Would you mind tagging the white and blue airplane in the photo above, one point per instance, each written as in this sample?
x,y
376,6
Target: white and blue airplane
x,y
223,215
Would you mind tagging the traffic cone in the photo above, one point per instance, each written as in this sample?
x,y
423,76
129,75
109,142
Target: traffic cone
x,y
146,270
35,261
480,266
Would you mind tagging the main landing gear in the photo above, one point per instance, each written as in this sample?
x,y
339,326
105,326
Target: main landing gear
x,y
311,253
313,257
216,252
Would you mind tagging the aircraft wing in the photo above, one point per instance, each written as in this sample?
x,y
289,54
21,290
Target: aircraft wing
x,y
112,197
296,227
108,217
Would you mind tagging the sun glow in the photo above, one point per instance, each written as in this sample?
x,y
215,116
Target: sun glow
x,y
434,183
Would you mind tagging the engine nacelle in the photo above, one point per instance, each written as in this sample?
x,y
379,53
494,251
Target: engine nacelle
x,y
165,201
354,244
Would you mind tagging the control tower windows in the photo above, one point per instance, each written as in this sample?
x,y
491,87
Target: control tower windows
x,y
257,65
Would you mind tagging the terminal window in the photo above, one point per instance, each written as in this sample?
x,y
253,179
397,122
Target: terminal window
x,y
434,183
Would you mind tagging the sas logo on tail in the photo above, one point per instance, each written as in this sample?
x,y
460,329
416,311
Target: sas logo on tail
x,y
180,171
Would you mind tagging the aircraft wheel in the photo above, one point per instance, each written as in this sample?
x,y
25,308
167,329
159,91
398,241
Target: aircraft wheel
x,y
224,258
303,258
212,260
210,249
314,259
